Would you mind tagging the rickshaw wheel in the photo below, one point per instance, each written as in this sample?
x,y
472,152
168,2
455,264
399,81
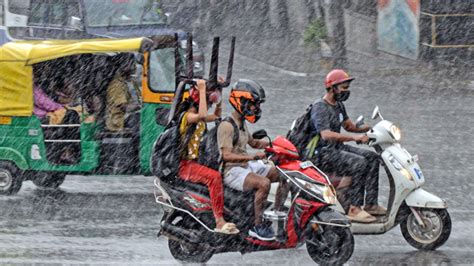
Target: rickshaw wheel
x,y
10,178
49,180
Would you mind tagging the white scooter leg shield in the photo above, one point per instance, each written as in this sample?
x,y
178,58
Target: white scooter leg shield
x,y
423,199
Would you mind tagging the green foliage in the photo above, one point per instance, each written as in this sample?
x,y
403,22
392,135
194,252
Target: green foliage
x,y
315,32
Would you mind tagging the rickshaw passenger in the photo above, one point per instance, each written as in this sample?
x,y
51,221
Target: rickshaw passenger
x,y
65,94
43,104
118,93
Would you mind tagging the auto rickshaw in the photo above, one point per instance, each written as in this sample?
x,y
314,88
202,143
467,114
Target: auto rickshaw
x,y
27,144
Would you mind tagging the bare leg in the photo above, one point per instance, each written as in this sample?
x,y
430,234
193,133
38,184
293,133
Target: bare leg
x,y
282,190
281,195
220,222
262,185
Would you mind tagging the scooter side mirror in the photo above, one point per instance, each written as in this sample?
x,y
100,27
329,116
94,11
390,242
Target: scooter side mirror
x,y
260,134
376,113
360,121
293,125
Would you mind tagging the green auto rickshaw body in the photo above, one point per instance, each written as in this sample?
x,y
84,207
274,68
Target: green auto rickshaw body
x,y
22,138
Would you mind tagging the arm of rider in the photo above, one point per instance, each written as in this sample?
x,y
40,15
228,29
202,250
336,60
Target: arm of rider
x,y
258,143
338,137
201,115
229,156
351,127
216,115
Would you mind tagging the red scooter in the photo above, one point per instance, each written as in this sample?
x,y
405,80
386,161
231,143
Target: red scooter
x,y
188,219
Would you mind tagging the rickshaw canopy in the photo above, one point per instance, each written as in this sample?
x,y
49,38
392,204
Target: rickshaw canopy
x,y
17,59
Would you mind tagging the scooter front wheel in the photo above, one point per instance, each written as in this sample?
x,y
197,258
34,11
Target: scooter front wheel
x,y
330,245
432,234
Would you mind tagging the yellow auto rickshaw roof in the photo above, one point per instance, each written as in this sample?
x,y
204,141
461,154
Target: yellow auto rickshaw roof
x,y
17,58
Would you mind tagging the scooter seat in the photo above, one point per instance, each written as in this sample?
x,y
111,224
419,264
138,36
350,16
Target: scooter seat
x,y
232,197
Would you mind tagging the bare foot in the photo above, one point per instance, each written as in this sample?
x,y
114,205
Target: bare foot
x,y
220,223
375,209
354,210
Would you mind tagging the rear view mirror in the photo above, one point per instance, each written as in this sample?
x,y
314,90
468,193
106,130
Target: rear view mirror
x,y
376,113
259,134
360,121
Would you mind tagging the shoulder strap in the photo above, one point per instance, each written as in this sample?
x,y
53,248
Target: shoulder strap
x,y
311,147
235,137
308,109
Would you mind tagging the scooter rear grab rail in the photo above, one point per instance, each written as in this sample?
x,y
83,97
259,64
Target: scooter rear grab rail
x,y
170,204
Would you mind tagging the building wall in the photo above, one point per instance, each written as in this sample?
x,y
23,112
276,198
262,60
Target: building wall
x,y
272,30
446,31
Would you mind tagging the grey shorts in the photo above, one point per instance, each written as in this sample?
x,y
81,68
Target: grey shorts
x,y
235,177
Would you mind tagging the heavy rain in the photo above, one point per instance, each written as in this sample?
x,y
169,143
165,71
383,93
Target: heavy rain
x,y
104,156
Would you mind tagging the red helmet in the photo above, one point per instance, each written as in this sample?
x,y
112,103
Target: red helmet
x,y
337,76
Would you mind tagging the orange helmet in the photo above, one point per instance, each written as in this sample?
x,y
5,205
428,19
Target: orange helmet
x,y
337,76
244,94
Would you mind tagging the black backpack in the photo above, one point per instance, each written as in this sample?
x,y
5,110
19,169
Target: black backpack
x,y
167,151
209,154
300,135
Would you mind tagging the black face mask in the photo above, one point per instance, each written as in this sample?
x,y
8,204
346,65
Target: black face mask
x,y
342,96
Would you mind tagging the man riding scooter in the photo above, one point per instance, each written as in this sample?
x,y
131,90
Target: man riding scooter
x,y
244,171
331,155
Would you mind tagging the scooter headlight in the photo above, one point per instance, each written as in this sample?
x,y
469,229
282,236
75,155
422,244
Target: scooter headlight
x,y
327,192
395,132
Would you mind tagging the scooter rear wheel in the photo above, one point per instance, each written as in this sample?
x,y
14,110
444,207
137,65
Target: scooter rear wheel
x,y
331,245
188,252
435,233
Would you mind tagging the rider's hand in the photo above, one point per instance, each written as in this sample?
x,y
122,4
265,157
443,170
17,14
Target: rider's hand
x,y
361,139
220,79
201,85
259,156
366,127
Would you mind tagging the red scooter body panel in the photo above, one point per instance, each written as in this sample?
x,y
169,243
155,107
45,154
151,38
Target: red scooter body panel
x,y
296,166
309,208
283,148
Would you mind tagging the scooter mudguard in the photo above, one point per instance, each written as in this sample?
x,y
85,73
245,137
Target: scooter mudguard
x,y
423,199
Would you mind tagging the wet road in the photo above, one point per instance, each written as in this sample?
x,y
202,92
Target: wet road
x,y
114,220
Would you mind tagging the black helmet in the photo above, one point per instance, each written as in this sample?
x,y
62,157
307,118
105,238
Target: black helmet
x,y
245,93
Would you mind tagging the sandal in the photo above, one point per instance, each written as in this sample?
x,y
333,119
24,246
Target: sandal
x,y
376,210
362,217
228,228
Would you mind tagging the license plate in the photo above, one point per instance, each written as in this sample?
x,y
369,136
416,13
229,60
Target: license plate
x,y
306,164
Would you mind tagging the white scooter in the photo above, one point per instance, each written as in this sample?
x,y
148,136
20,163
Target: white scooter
x,y
423,217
